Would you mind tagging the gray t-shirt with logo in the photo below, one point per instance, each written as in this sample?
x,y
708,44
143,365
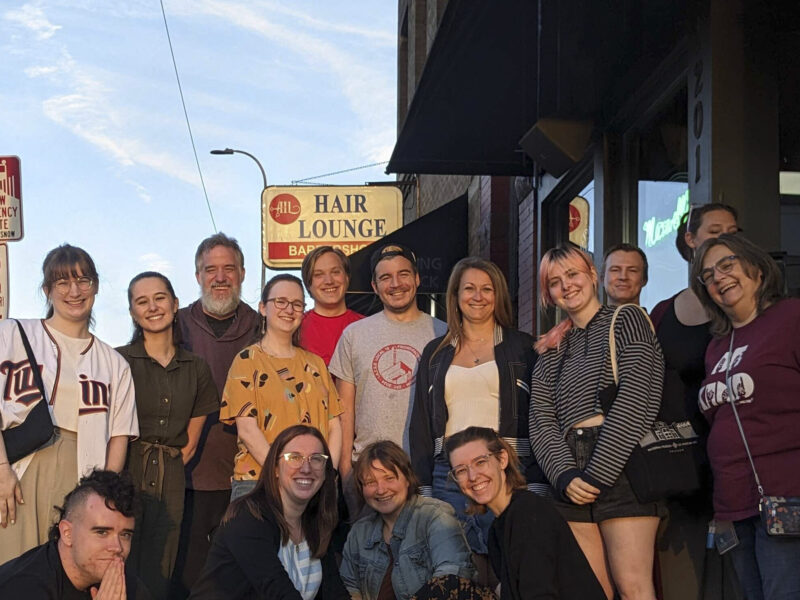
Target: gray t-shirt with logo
x,y
379,356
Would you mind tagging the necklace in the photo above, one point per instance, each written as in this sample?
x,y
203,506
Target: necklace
x,y
476,358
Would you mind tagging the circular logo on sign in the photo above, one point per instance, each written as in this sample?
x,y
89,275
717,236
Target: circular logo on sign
x,y
393,366
284,209
574,218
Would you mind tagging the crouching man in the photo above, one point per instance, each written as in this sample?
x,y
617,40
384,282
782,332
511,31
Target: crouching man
x,y
85,557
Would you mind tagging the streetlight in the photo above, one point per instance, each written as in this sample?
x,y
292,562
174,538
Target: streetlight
x,y
264,176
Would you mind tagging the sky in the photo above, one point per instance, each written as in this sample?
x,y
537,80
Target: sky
x,y
90,104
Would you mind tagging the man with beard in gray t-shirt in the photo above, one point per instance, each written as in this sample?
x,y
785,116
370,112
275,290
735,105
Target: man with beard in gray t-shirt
x,y
375,361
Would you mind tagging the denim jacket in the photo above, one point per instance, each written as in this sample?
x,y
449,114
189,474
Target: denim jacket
x,y
427,541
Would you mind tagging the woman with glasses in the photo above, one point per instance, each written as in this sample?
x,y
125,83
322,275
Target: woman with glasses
x,y
88,391
274,383
753,359
682,328
531,548
274,543
174,393
585,420
407,540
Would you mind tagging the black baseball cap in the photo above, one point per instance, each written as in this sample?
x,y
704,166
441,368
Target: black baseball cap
x,y
390,251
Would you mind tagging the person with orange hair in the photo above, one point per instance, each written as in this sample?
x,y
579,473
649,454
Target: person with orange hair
x,y
585,422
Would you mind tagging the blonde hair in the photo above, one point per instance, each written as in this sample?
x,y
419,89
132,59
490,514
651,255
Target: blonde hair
x,y
565,255
502,298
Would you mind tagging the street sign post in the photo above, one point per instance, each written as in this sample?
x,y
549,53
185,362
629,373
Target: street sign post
x,y
3,281
10,199
297,219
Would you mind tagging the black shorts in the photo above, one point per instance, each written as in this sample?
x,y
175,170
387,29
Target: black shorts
x,y
616,502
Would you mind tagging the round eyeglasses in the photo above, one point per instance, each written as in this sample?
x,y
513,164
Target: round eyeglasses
x,y
283,304
479,464
64,285
295,460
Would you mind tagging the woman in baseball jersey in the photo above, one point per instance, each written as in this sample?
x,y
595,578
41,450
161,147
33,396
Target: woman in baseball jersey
x,y
89,392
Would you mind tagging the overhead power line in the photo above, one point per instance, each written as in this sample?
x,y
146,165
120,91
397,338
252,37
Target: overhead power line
x,y
296,181
186,114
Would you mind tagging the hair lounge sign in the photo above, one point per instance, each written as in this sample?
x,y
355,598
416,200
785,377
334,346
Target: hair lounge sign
x,y
297,219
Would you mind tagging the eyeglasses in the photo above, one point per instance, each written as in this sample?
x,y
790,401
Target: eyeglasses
x,y
723,266
479,464
295,460
283,304
63,286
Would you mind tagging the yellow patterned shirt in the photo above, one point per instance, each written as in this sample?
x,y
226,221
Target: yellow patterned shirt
x,y
278,393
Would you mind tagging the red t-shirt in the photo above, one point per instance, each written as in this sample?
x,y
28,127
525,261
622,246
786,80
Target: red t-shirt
x,y
319,334
765,378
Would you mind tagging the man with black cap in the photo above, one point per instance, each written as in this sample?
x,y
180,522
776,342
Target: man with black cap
x,y
375,361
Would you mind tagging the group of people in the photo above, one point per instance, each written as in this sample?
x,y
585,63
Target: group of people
x,y
462,455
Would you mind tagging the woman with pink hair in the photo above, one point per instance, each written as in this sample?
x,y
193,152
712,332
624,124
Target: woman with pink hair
x,y
584,422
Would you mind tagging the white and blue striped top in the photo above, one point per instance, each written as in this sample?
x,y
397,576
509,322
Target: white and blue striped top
x,y
304,571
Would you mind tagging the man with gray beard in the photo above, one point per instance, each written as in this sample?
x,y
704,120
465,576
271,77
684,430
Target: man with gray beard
x,y
216,327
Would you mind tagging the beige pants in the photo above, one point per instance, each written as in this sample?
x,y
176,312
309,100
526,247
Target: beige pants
x,y
52,474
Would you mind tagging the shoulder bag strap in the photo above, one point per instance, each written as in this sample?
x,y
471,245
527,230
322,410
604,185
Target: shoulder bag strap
x,y
732,400
612,343
32,360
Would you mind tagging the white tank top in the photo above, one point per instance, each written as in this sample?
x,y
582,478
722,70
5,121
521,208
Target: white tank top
x,y
472,396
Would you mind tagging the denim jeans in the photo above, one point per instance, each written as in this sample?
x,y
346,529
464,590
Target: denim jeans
x,y
768,566
241,487
476,527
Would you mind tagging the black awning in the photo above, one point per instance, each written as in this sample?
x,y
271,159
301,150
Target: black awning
x,y
477,94
496,67
439,239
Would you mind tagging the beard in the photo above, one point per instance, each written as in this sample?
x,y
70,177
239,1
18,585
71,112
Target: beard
x,y
220,307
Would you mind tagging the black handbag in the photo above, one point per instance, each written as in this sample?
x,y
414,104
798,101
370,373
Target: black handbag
x,y
37,428
666,461
780,515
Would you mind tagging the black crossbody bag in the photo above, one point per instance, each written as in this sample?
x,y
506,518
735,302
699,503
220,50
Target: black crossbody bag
x,y
37,428
665,461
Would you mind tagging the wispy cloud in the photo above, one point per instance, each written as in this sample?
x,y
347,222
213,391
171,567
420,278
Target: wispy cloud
x,y
41,71
384,38
153,261
88,105
369,92
33,18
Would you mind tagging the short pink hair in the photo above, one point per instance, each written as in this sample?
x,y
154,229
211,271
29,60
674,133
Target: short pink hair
x,y
566,256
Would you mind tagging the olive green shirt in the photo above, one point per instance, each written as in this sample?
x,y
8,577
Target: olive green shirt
x,y
167,397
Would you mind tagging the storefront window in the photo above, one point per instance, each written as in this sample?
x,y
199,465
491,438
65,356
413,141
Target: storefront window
x,y
661,206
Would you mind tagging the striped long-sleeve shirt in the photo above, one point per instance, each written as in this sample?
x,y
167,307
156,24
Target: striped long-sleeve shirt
x,y
566,382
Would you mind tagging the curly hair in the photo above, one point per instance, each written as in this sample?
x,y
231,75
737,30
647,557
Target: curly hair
x,y
116,489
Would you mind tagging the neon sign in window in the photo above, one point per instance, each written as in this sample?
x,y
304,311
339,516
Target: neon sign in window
x,y
656,230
